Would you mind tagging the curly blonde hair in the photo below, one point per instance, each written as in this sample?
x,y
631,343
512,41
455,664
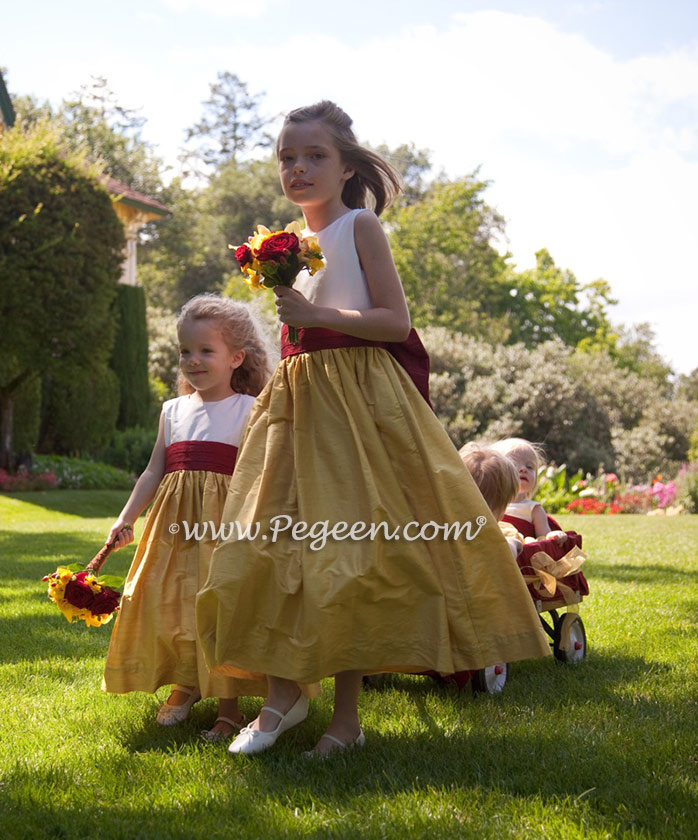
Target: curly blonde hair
x,y
534,450
240,331
373,176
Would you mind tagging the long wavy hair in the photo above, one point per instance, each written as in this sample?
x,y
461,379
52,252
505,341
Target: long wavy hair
x,y
375,182
240,331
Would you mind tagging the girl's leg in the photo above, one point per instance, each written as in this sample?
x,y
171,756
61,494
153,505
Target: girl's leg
x,y
177,697
227,708
282,695
345,719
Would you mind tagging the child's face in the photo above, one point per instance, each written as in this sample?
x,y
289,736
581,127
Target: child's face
x,y
310,167
525,461
205,359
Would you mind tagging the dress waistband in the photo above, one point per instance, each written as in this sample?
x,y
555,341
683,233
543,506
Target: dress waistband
x,y
207,455
410,353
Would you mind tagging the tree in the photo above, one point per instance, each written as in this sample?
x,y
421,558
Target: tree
x,y
413,165
636,350
60,258
232,125
188,252
94,119
547,303
444,252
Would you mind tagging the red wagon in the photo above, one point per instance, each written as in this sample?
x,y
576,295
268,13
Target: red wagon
x,y
554,580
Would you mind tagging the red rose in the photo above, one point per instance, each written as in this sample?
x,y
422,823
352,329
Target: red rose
x,y
243,255
105,602
278,246
78,593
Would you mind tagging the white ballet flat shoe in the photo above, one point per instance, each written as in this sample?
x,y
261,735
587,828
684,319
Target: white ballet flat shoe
x,y
251,741
169,715
359,741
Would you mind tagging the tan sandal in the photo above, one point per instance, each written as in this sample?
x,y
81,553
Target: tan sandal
x,y
168,715
211,736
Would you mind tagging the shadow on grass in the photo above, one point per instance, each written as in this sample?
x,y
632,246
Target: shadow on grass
x,y
31,556
258,797
641,573
90,504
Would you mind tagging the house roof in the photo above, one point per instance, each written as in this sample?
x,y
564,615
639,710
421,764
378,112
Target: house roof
x,y
8,112
133,198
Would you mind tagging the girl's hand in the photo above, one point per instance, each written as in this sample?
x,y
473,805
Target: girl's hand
x,y
558,536
293,309
121,533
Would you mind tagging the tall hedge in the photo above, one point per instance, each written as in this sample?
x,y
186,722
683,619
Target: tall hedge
x,y
129,359
60,259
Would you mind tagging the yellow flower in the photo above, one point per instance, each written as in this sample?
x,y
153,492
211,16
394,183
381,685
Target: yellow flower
x,y
294,227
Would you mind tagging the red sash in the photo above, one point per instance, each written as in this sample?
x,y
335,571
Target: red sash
x,y
410,353
207,455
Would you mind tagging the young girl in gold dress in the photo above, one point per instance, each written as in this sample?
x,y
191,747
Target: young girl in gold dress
x,y
341,438
223,366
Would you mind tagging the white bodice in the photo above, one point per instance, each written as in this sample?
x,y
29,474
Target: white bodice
x,y
341,284
523,509
223,421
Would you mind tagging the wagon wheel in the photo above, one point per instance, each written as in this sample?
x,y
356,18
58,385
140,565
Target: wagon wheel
x,y
570,640
490,680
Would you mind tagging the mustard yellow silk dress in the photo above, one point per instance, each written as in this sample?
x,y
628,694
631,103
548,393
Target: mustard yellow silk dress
x,y
343,435
154,641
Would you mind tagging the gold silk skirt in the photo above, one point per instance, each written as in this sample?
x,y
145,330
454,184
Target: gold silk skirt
x,y
342,435
154,640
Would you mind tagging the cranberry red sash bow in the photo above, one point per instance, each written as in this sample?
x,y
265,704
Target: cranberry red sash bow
x,y
201,455
410,354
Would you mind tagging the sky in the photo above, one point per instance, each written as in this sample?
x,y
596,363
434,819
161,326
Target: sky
x,y
582,114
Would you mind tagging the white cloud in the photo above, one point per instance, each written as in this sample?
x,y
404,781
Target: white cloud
x,y
221,8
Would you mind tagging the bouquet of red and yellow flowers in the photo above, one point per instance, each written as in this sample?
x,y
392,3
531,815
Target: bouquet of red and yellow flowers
x,y
82,595
275,258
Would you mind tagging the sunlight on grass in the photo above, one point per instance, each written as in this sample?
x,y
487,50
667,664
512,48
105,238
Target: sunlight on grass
x,y
604,749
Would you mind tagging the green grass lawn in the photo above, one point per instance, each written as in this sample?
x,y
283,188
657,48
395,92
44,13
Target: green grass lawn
x,y
608,748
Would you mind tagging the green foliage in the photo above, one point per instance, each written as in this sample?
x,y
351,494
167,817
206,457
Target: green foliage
x,y
188,253
687,487
27,414
130,449
442,246
556,489
60,257
548,303
636,350
130,356
94,120
79,408
80,474
485,391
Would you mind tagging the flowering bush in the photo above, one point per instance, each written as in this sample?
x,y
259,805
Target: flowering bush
x,y
556,490
27,480
591,505
80,474
687,487
81,595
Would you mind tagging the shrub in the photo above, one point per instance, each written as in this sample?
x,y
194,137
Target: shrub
x,y
79,409
27,480
556,489
130,449
130,356
80,474
687,487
